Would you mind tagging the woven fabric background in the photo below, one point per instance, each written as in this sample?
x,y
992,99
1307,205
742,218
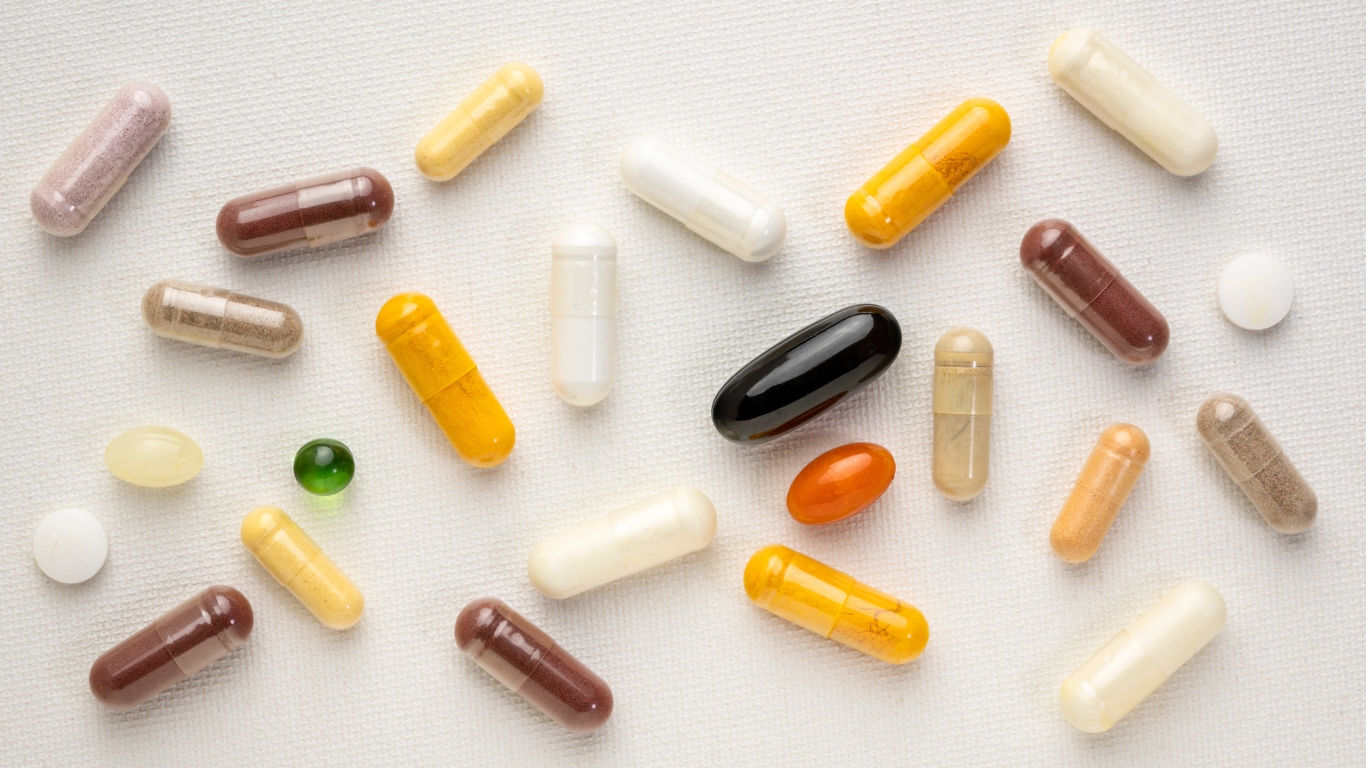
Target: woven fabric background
x,y
803,101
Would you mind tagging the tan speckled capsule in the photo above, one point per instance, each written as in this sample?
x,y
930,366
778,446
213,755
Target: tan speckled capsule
x,y
214,317
1103,486
1248,451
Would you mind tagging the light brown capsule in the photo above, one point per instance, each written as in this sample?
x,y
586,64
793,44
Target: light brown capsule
x,y
962,413
1102,488
1248,451
214,317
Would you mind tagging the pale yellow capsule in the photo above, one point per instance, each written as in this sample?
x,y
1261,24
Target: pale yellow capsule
x,y
153,457
484,117
300,565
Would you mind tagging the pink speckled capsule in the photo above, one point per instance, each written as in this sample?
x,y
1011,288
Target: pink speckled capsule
x,y
98,162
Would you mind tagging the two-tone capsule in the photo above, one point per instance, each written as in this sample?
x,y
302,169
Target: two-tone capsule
x,y
583,313
484,117
840,483
962,413
1252,457
219,318
313,212
288,554
1103,486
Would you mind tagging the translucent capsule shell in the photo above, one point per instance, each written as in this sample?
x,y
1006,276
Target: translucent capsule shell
x,y
97,163
288,554
963,360
484,117
707,200
840,483
153,457
1130,100
313,212
1103,486
1252,457
219,318
632,539
583,313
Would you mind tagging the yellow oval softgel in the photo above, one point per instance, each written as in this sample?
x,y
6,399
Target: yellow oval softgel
x,y
153,457
484,117
300,565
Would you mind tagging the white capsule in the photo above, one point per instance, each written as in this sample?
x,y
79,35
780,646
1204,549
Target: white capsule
x,y
1255,292
630,540
708,201
583,313
1130,100
70,546
1142,657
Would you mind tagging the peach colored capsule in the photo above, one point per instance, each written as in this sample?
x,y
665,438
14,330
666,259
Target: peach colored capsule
x,y
1102,488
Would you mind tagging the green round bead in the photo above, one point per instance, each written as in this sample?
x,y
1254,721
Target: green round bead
x,y
324,466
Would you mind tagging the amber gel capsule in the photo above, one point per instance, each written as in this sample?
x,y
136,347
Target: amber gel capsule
x,y
282,547
484,117
927,173
219,318
840,483
962,413
530,664
188,638
1102,488
313,212
1091,289
831,604
1248,451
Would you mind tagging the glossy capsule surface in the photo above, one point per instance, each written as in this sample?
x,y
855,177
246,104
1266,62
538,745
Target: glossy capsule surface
x,y
927,173
962,413
632,539
444,377
525,659
484,117
184,641
97,163
1253,458
1130,100
831,604
1089,288
219,318
313,212
1141,658
709,201
840,483
583,313
153,457
806,374
1103,486
288,554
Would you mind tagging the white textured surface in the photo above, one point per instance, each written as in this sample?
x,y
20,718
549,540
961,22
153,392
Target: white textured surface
x,y
804,102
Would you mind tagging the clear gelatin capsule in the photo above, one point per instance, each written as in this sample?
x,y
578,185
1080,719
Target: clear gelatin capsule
x,y
709,201
583,313
219,318
1253,458
98,162
153,457
817,597
1103,486
282,547
1130,100
484,117
313,212
1141,658
962,413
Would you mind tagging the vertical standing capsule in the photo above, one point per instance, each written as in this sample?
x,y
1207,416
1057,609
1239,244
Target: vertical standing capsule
x,y
710,202
313,212
219,318
437,367
962,413
525,659
1130,100
484,117
927,173
1091,289
98,161
831,604
283,549
1103,486
583,313
1248,451
185,640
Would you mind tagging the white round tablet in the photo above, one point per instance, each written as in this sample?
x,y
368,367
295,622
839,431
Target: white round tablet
x,y
70,546
1255,291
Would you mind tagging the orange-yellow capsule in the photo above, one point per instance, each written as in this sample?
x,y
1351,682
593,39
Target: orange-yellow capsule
x,y
831,604
840,483
927,173
1102,487
445,378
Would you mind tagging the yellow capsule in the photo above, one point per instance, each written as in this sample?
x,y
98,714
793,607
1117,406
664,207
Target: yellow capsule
x,y
831,604
962,412
446,379
484,117
927,173
280,545
1102,488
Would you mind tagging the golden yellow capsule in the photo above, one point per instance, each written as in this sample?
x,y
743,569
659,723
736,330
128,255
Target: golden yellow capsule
x,y
962,413
927,173
484,117
831,604
280,545
1102,487
444,376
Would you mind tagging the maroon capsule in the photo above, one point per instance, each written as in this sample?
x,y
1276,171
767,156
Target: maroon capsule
x,y
528,662
188,638
1089,287
316,212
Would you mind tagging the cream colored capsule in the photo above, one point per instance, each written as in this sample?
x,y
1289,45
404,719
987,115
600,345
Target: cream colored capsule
x,y
1103,486
300,565
962,413
484,117
153,457
632,539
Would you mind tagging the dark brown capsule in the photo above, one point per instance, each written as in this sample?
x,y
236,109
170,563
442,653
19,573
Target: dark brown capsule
x,y
313,212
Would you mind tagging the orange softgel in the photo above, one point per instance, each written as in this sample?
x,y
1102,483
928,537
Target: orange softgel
x,y
840,483
445,378
831,604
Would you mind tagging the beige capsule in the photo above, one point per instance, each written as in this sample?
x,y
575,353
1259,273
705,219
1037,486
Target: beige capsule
x,y
1248,451
215,317
962,413
1103,486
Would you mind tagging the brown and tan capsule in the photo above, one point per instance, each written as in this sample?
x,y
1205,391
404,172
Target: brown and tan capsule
x,y
1102,488
1248,451
219,318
